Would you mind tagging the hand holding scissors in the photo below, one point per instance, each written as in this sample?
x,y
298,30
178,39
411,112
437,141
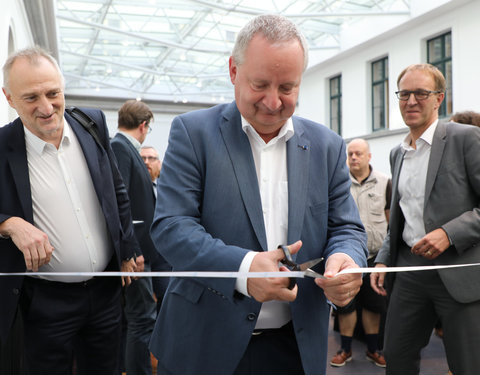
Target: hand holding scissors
x,y
293,266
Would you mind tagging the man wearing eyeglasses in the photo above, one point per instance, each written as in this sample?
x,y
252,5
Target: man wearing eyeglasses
x,y
152,162
434,220
134,118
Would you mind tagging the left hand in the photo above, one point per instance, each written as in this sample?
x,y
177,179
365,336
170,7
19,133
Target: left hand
x,y
432,244
128,266
341,289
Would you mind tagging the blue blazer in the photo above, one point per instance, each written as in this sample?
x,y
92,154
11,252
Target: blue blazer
x,y
209,215
16,200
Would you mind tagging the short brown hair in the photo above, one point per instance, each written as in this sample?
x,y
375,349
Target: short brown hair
x,y
438,78
133,113
467,117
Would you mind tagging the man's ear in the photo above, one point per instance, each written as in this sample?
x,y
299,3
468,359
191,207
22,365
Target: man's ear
x,y
232,69
440,98
8,96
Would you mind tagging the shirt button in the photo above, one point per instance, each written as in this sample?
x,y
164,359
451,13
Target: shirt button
x,y
15,291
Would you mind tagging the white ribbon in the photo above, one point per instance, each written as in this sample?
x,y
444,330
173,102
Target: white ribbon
x,y
234,275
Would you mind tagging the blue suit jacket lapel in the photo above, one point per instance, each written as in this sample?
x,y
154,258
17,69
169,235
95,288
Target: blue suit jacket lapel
x,y
17,158
240,152
298,159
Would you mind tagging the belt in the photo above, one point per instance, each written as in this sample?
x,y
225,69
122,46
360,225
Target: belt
x,y
60,284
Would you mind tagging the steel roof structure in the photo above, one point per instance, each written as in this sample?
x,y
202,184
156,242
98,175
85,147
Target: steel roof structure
x,y
178,50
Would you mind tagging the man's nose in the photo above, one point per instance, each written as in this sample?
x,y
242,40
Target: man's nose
x,y
412,100
272,100
45,106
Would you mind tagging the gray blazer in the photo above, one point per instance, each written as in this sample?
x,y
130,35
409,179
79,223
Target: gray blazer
x,y
452,202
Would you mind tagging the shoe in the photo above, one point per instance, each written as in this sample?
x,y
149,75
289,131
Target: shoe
x,y
376,358
341,358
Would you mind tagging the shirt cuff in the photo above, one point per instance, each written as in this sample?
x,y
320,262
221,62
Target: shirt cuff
x,y
241,282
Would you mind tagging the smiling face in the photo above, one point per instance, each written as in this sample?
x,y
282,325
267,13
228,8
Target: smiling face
x,y
267,83
36,93
419,114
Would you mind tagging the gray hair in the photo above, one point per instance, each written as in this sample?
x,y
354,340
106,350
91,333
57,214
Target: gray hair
x,y
33,55
274,28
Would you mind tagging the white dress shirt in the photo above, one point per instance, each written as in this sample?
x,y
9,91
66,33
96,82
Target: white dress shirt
x,y
66,207
271,167
411,184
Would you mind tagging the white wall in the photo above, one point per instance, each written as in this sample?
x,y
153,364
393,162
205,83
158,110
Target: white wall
x,y
404,45
12,17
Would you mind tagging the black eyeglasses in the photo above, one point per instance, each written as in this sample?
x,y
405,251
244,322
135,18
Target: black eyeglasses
x,y
149,158
419,94
149,129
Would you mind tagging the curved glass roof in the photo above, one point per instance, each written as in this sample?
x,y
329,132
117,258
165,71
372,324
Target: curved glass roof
x,y
178,50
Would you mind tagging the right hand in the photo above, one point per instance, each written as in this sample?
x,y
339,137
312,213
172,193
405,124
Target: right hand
x,y
272,288
377,280
31,241
140,264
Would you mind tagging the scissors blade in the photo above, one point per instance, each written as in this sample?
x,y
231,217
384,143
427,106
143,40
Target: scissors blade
x,y
309,264
310,273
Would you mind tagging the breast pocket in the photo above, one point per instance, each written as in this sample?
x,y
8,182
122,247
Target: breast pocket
x,y
189,290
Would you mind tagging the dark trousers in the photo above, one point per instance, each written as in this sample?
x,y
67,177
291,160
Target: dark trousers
x,y
273,351
140,313
11,351
63,321
417,301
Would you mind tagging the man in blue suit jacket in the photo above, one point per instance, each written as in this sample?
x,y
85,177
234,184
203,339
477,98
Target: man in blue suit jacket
x,y
63,208
238,180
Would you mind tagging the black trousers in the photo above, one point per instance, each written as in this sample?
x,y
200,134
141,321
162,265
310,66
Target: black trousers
x,y
63,321
11,351
272,351
417,302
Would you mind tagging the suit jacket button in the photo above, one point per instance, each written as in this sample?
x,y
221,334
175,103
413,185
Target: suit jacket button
x,y
251,316
15,291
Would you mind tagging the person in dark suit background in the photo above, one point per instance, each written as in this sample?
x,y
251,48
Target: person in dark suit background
x,y
134,123
154,165
63,208
237,180
434,219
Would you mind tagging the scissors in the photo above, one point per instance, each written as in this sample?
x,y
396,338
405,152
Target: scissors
x,y
305,267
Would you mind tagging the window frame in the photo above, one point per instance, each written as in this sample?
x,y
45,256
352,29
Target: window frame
x,y
336,115
444,64
383,84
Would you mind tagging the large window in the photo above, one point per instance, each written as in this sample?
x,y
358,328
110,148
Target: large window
x,y
336,104
439,53
380,94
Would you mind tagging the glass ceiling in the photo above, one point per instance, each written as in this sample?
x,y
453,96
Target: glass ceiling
x,y
178,50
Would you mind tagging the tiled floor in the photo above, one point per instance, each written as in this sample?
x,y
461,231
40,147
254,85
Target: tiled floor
x,y
433,358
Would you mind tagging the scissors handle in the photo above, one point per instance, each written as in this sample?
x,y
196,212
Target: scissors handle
x,y
288,261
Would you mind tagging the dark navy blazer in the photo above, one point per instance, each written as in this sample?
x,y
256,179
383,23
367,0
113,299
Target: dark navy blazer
x,y
16,200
